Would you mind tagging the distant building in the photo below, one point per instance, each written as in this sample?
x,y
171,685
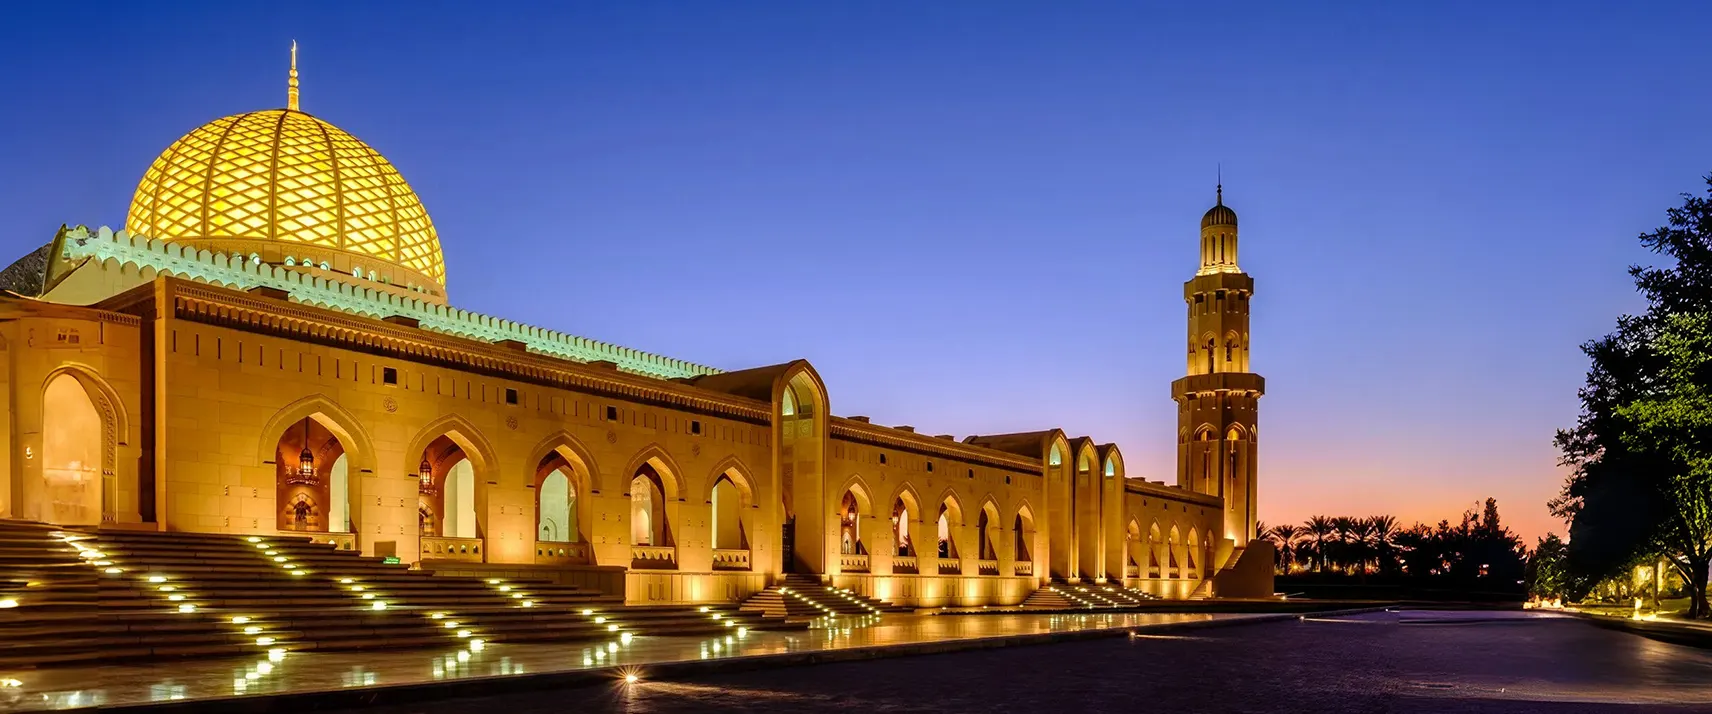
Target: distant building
x,y
268,348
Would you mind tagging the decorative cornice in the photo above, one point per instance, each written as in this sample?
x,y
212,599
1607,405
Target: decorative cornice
x,y
875,435
206,304
349,295
1159,490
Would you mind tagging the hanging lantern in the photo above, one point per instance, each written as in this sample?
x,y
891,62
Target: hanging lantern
x,y
305,473
425,476
306,460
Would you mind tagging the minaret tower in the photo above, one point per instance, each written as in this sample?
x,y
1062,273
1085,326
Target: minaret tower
x,y
1217,403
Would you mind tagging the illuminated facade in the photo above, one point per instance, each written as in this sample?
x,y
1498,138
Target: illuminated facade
x,y
268,348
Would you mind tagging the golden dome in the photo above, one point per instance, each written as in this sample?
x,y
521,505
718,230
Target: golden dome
x,y
290,188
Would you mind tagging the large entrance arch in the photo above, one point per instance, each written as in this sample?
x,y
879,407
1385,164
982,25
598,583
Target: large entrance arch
x,y
311,480
73,439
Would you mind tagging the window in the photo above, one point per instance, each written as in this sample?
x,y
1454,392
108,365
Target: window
x,y
930,467
510,396
971,473
695,427
612,413
882,458
1007,479
388,375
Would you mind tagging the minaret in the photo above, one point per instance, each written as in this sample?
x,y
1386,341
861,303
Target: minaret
x,y
291,82
1217,402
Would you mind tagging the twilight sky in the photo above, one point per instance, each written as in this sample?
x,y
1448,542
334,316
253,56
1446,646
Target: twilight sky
x,y
977,217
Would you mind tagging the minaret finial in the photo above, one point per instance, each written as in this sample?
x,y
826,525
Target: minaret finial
x,y
1220,168
291,84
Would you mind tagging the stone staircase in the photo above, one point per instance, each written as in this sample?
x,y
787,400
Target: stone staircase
x,y
147,594
1085,596
803,598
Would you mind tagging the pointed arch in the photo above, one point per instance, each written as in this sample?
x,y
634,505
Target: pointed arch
x,y
336,419
911,498
671,477
952,503
857,486
574,452
469,439
731,468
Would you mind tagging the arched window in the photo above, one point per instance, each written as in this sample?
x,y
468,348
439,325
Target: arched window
x,y
788,405
1055,458
1111,467
1082,465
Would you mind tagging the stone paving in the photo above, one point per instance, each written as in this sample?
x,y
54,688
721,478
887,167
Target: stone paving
x,y
246,683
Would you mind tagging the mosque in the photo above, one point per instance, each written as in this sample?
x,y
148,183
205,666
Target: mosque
x,y
269,348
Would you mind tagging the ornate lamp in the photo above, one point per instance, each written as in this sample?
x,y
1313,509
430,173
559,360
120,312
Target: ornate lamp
x,y
305,475
425,477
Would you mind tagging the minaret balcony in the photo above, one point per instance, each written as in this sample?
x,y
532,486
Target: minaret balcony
x,y
1219,382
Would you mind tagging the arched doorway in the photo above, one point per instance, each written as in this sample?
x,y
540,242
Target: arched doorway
x,y
562,488
950,518
312,479
985,525
730,514
72,459
446,485
901,518
556,518
649,525
849,525
1024,527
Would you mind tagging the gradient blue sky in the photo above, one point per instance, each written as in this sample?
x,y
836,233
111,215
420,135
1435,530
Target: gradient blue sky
x,y
976,217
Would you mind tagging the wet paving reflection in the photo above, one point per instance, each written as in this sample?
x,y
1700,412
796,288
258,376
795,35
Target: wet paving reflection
x,y
279,671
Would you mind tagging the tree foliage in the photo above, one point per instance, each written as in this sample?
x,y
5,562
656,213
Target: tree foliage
x,y
1641,451
1477,549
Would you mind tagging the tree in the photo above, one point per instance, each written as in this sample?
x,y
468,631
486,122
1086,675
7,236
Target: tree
x,y
1641,450
1547,576
1384,529
1319,528
1284,543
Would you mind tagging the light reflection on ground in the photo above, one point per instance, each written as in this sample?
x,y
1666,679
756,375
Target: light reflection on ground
x,y
304,672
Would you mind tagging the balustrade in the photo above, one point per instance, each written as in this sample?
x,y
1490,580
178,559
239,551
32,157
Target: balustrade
x,y
950,566
1132,571
1024,567
987,567
553,553
853,562
339,541
903,564
468,550
730,559
653,557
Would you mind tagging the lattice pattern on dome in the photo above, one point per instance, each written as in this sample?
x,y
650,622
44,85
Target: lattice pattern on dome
x,y
288,176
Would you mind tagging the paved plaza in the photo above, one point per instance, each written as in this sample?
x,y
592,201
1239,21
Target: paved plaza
x,y
449,672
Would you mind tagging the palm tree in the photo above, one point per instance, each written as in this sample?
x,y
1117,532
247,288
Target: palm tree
x,y
1384,547
1342,555
1361,544
1284,539
1319,528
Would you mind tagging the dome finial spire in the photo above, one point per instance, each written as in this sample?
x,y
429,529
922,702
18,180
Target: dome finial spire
x,y
291,84
1220,168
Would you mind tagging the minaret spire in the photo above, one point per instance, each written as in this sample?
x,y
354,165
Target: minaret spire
x,y
1220,168
291,84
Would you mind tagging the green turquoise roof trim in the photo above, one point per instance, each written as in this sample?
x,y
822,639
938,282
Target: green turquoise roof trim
x,y
237,272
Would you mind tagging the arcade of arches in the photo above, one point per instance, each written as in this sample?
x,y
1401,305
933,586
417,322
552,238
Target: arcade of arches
x,y
291,383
